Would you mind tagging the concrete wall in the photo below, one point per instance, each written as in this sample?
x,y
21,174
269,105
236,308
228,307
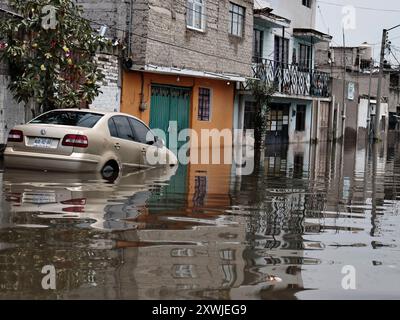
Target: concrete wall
x,y
351,109
11,113
301,16
394,99
171,44
111,13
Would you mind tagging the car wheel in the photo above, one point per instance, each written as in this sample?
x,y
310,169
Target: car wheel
x,y
110,171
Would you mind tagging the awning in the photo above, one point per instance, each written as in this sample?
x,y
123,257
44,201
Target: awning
x,y
191,73
270,20
311,35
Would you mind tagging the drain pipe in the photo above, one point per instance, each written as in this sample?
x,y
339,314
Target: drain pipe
x,y
130,29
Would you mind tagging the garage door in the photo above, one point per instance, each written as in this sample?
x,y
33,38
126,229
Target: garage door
x,y
169,104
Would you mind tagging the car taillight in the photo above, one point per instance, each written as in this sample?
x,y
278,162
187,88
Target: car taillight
x,y
76,202
15,136
75,140
74,209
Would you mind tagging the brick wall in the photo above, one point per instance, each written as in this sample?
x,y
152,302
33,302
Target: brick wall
x,y
170,43
115,15
106,12
109,99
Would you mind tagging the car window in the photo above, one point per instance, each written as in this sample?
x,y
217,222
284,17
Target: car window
x,y
113,128
141,131
69,118
124,130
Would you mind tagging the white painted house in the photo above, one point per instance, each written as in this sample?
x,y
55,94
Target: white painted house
x,y
284,42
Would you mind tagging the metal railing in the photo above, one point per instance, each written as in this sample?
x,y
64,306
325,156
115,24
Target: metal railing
x,y
292,79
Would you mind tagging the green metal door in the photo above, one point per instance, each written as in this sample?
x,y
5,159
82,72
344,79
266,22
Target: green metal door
x,y
169,104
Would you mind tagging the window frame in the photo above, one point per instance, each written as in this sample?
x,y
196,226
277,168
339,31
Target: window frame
x,y
307,3
241,18
191,7
130,120
118,133
281,44
305,63
258,45
209,105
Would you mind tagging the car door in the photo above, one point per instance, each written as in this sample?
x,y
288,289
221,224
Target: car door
x,y
145,138
122,136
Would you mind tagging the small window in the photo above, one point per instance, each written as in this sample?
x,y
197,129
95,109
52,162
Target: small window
x,y
307,3
236,17
301,118
141,131
196,14
204,104
123,127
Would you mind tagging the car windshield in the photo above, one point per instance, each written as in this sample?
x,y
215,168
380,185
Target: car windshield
x,y
69,118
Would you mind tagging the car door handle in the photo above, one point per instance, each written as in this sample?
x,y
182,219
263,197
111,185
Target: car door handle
x,y
117,146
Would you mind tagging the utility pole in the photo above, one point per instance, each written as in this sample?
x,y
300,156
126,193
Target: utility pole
x,y
377,126
344,86
369,103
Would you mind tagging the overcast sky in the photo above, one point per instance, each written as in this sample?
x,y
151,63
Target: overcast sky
x,y
368,22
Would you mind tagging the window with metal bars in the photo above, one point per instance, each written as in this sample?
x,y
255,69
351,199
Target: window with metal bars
x,y
204,104
200,191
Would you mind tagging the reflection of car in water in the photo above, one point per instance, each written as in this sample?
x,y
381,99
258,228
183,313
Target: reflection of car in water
x,y
114,205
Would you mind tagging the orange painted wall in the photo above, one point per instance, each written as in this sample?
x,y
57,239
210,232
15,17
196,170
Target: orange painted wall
x,y
221,105
218,185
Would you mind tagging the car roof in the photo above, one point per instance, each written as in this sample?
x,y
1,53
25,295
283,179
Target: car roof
x,y
96,111
111,113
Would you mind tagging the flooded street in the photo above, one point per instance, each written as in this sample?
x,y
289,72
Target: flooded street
x,y
288,231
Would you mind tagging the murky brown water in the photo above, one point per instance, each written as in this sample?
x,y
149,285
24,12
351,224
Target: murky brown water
x,y
200,232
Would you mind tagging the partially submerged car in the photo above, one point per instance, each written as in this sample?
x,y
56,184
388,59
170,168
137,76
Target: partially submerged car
x,y
82,140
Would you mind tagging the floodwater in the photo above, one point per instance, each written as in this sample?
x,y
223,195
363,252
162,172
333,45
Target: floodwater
x,y
311,222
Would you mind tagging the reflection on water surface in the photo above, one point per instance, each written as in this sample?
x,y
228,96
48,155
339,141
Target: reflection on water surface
x,y
201,232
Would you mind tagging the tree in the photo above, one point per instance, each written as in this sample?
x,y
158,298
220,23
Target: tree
x,y
262,93
50,50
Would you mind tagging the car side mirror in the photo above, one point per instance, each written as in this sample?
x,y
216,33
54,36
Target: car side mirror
x,y
159,142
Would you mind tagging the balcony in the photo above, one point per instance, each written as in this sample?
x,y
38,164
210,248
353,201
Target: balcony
x,y
292,80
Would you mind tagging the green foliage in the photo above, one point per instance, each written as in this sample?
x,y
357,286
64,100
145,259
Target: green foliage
x,y
262,94
54,68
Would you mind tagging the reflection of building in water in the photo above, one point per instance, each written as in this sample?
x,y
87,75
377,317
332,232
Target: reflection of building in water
x,y
274,225
191,248
197,262
168,239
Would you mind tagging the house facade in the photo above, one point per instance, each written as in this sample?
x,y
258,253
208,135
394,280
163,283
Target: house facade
x,y
284,41
354,90
183,62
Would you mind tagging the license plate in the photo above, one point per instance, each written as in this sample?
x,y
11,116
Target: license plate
x,y
39,198
42,142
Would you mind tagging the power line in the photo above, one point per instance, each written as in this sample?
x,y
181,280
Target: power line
x,y
359,7
171,44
